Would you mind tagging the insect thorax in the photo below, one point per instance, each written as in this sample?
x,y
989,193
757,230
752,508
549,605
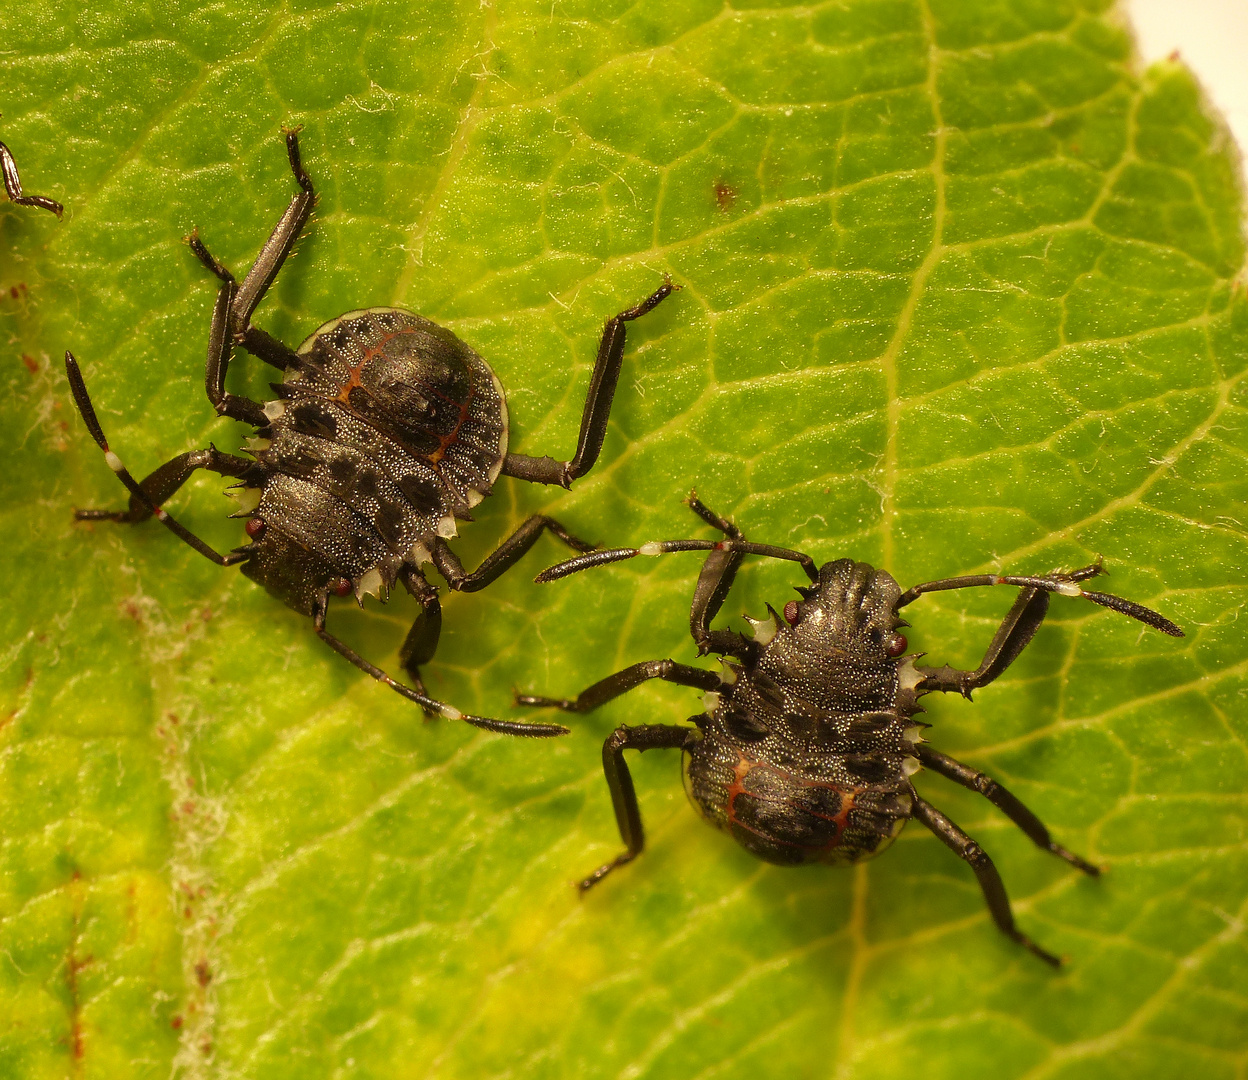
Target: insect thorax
x,y
388,430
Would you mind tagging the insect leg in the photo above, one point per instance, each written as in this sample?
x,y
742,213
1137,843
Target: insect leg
x,y
715,579
1016,630
220,349
505,727
1004,801
989,880
251,338
502,558
620,782
422,639
13,186
215,266
1066,584
278,246
597,410
87,410
160,485
623,681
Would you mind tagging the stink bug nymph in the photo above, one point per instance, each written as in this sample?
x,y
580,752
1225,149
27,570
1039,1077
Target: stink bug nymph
x,y
807,741
386,430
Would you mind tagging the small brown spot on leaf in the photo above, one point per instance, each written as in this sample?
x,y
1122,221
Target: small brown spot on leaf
x,y
203,973
32,365
725,195
175,1023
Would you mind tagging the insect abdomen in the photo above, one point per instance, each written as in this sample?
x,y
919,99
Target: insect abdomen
x,y
785,815
418,385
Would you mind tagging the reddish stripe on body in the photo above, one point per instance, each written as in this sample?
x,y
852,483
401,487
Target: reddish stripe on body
x,y
840,819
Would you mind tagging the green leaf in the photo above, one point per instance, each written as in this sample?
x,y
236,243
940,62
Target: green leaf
x,y
959,293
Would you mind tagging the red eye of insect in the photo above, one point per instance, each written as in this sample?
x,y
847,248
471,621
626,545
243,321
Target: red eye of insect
x,y
791,615
339,586
255,528
896,644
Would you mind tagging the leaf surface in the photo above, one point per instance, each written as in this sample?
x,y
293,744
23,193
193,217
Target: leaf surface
x,y
960,292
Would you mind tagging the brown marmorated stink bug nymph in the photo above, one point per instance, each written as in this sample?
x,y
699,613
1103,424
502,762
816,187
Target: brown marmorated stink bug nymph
x,y
386,430
808,740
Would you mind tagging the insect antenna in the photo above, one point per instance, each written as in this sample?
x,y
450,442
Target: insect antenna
x,y
1062,583
666,547
1134,611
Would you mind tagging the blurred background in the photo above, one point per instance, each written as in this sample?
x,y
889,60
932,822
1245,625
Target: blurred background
x,y
1212,37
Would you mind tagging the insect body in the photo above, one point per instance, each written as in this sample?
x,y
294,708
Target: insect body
x,y
13,186
806,747
386,430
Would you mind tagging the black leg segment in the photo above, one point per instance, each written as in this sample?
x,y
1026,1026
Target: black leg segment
x,y
504,557
504,727
217,268
137,492
597,410
220,350
231,318
623,794
161,484
989,880
13,186
422,639
1004,801
1013,635
714,581
253,339
278,246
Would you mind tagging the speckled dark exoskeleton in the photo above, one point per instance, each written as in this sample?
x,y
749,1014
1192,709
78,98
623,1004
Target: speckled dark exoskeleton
x,y
386,430
13,186
808,740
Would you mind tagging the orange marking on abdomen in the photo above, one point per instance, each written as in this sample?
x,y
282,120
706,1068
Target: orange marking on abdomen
x,y
445,441
840,819
353,370
374,351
